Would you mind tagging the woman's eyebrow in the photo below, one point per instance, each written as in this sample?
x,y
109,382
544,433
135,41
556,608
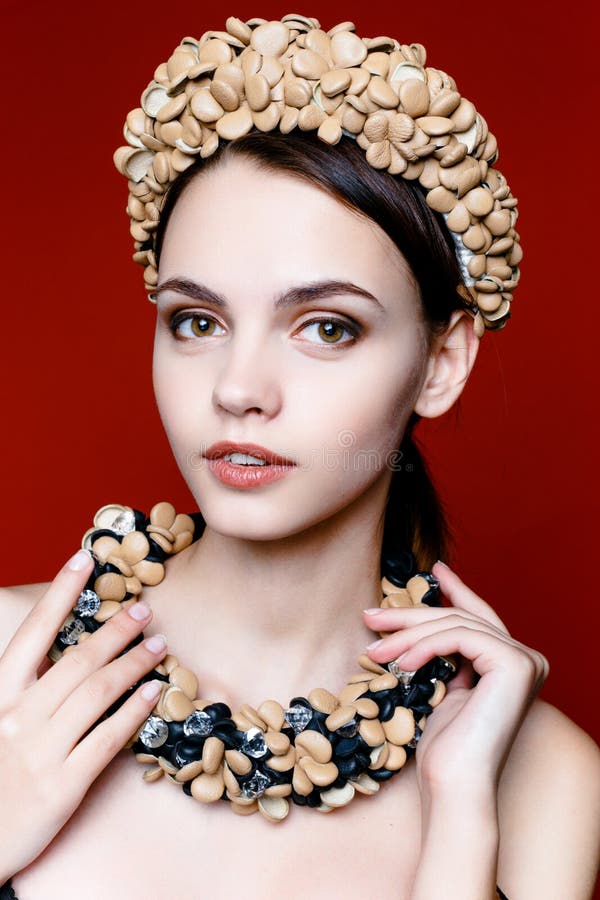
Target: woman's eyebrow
x,y
293,296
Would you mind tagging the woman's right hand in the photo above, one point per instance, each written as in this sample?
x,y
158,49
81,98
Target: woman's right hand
x,y
44,771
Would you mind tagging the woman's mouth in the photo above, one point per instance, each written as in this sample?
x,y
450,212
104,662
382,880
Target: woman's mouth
x,y
244,470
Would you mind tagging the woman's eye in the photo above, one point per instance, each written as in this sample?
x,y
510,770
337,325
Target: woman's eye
x,y
328,331
188,326
198,325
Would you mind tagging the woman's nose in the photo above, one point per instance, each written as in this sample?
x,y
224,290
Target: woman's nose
x,y
248,381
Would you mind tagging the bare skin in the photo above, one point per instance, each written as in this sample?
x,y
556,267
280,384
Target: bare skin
x,y
253,605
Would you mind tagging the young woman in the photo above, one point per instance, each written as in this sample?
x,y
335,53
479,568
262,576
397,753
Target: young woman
x,y
307,317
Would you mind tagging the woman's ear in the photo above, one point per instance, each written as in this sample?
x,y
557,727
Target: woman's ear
x,y
451,359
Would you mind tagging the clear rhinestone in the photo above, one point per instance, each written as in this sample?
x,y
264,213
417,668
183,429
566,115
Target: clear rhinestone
x,y
70,633
253,743
349,730
198,724
154,732
403,675
298,717
256,786
418,732
124,523
88,603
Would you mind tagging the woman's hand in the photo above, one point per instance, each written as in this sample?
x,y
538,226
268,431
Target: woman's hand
x,y
468,736
45,767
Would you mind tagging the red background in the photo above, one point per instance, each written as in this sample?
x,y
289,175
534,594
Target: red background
x,y
514,459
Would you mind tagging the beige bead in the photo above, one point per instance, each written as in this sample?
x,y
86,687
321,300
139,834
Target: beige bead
x,y
189,771
339,717
273,808
414,97
459,218
335,81
272,713
439,692
308,64
364,784
297,92
379,756
301,782
400,729
347,49
278,743
186,680
479,201
321,774
235,124
312,743
384,682
171,109
435,125
267,119
330,131
352,692
401,128
225,94
270,39
237,762
371,731
367,708
444,103
379,154
176,705
216,51
204,106
417,587
441,200
279,790
212,754
149,572
208,788
399,600
370,665
464,115
167,766
106,610
153,774
337,797
396,758
170,662
359,677
246,809
322,700
284,762
230,781
252,715
258,93
381,92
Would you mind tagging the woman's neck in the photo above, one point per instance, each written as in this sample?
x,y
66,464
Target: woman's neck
x,y
270,619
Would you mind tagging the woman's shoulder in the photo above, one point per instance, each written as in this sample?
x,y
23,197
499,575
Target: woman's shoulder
x,y
15,602
549,806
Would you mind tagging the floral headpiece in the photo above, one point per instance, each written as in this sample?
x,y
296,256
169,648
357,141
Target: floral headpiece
x,y
289,73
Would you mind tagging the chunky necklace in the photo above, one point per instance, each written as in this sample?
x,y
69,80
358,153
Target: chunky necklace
x,y
319,751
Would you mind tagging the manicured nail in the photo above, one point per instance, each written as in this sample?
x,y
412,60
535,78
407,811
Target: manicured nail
x,y
79,560
151,690
374,611
441,563
156,643
139,611
374,644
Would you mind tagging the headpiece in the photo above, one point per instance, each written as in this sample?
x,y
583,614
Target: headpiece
x,y
283,74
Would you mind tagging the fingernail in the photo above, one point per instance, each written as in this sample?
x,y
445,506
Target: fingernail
x,y
139,611
156,643
79,560
151,690
374,611
440,563
374,644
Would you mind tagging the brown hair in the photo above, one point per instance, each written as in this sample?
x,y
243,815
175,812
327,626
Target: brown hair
x,y
415,516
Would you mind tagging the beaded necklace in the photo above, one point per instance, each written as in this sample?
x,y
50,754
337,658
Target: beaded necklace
x,y
318,752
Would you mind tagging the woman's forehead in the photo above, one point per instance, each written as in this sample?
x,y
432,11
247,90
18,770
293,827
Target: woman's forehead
x,y
242,218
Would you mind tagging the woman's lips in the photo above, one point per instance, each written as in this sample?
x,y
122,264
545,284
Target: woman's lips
x,y
246,476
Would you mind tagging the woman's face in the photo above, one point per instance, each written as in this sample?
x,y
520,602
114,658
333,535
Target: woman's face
x,y
333,397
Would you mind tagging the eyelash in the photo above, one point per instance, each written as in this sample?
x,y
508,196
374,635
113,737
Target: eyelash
x,y
352,329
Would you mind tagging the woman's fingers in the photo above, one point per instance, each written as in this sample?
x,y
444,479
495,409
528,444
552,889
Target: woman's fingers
x,y
77,664
462,596
29,645
94,696
92,755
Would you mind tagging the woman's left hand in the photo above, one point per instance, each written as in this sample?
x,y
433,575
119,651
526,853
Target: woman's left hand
x,y
468,736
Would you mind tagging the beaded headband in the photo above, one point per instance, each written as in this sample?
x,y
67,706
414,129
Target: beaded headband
x,y
283,74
